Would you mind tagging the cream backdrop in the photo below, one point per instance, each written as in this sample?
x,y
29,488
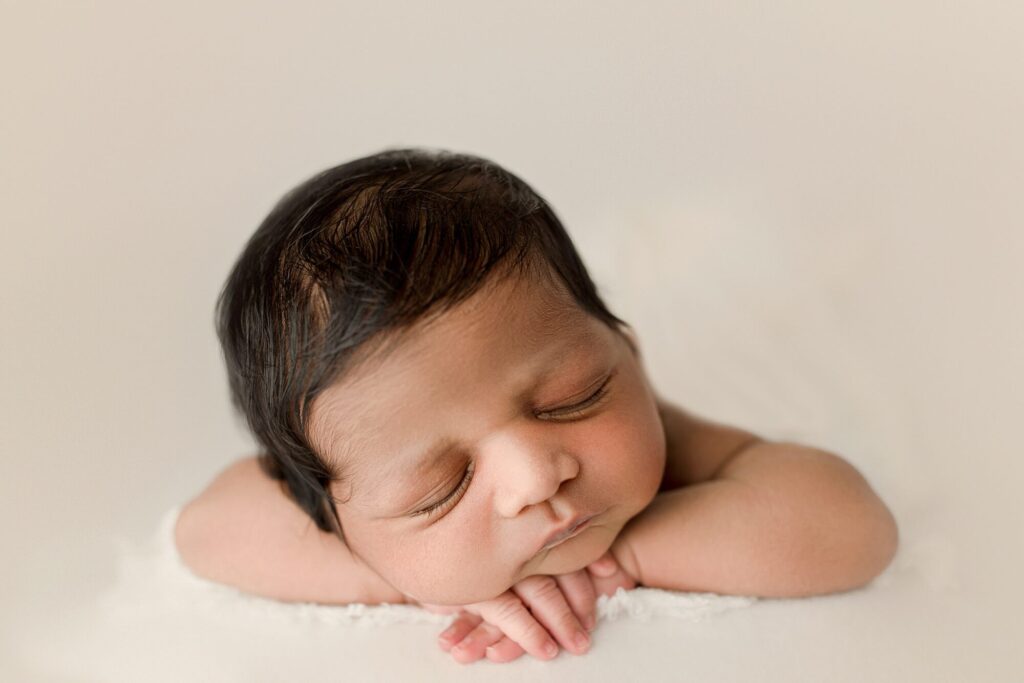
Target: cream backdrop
x,y
811,212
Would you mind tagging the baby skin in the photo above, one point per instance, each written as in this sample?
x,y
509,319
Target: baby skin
x,y
508,461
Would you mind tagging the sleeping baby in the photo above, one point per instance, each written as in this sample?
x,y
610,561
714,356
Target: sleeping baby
x,y
449,416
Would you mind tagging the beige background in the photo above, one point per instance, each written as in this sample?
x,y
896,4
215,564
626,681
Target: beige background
x,y
811,213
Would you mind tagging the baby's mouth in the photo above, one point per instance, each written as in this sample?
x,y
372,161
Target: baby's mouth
x,y
575,529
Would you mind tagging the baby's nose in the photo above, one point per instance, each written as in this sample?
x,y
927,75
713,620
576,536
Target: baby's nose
x,y
529,473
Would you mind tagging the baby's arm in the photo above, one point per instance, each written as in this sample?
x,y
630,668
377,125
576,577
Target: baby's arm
x,y
752,517
245,532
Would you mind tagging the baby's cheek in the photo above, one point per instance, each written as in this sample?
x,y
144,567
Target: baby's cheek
x,y
633,468
451,573
647,434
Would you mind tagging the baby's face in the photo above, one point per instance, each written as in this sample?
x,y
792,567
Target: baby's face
x,y
523,409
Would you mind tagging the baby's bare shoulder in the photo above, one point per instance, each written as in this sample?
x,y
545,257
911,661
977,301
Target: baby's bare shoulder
x,y
241,481
240,498
236,518
242,530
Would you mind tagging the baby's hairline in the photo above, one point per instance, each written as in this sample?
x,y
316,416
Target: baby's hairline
x,y
376,349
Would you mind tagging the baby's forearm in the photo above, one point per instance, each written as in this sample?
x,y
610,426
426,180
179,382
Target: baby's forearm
x,y
780,520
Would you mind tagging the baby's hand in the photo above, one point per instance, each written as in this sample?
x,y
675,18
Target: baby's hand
x,y
562,606
608,575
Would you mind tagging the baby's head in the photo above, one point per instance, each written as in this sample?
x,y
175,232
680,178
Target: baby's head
x,y
420,352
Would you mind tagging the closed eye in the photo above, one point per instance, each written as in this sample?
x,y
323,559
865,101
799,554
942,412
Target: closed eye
x,y
580,408
452,497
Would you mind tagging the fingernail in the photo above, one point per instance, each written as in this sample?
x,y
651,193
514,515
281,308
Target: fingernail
x,y
582,641
448,634
551,649
590,622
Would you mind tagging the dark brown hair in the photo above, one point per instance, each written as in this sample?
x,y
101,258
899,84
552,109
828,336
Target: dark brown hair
x,y
366,248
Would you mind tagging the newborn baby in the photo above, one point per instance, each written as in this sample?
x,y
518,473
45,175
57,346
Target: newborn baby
x,y
449,416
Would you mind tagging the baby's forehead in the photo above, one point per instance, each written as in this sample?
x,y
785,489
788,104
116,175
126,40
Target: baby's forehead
x,y
535,312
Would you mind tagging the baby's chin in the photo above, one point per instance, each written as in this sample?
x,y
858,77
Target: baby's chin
x,y
567,557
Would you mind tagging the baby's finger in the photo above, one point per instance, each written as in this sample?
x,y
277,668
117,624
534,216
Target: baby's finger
x,y
459,629
509,613
604,566
608,576
544,597
505,650
474,645
612,585
578,589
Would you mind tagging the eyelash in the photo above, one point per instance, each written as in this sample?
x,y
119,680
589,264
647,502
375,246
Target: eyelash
x,y
573,411
452,497
581,407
